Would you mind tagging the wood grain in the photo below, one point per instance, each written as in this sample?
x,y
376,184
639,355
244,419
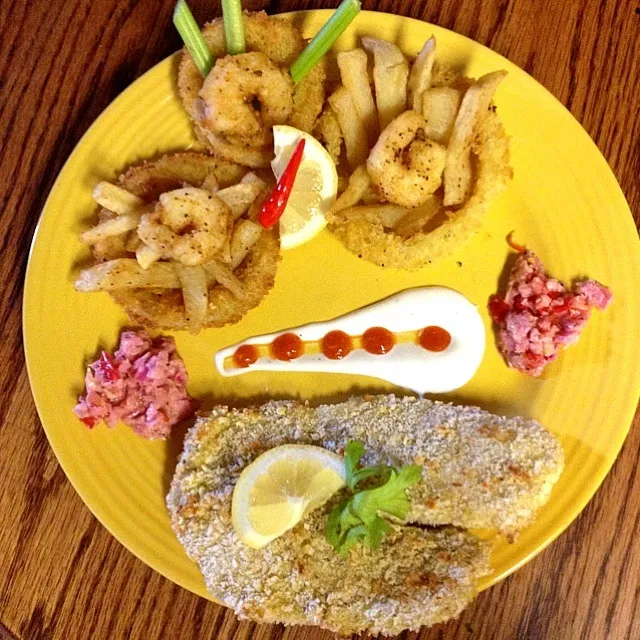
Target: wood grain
x,y
61,574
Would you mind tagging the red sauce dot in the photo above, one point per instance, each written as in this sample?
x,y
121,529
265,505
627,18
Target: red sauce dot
x,y
245,356
288,346
336,345
434,338
378,340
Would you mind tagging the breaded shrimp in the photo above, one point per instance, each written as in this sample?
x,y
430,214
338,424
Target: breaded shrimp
x,y
282,42
244,96
405,166
164,308
189,226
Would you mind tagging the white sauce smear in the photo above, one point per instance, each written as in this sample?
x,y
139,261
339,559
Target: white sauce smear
x,y
407,364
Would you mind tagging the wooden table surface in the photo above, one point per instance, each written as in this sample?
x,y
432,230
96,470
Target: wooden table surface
x,y
62,575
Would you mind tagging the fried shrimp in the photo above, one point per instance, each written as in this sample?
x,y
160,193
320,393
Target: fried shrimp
x,y
188,225
282,43
244,96
405,166
492,175
169,292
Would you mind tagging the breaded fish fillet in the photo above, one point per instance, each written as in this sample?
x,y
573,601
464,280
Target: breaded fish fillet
x,y
419,576
479,470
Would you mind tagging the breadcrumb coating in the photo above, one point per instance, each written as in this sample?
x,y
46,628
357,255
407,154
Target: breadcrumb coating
x,y
479,470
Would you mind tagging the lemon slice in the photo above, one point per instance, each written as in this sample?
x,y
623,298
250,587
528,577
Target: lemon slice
x,y
281,487
314,190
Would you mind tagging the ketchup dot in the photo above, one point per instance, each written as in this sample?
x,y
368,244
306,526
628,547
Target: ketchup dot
x,y
434,338
336,345
378,340
288,346
245,356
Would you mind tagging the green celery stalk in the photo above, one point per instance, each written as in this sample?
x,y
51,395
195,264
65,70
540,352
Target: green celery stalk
x,y
192,37
233,26
324,39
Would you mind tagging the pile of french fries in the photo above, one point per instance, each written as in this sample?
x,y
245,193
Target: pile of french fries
x,y
143,267
451,108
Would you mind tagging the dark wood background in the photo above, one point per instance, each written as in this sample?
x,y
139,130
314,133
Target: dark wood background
x,y
61,574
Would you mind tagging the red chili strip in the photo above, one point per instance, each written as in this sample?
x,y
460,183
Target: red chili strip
x,y
514,245
275,204
108,366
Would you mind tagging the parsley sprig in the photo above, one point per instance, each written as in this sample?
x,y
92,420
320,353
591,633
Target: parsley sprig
x,y
375,490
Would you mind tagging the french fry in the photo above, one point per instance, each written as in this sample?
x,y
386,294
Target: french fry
x,y
353,71
133,241
417,218
116,199
457,171
240,196
439,108
126,273
370,196
245,235
252,178
390,73
225,251
385,214
355,136
343,183
195,295
458,176
146,255
210,183
111,227
224,255
420,75
216,271
359,184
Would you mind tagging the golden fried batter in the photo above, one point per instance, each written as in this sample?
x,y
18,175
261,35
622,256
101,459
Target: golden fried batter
x,y
164,308
372,242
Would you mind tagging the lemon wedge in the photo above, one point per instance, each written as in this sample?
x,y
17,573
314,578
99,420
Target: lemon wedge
x,y
281,487
314,189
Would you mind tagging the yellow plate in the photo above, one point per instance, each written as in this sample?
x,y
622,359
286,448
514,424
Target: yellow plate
x,y
564,203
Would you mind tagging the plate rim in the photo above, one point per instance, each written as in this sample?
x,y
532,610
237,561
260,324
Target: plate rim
x,y
604,467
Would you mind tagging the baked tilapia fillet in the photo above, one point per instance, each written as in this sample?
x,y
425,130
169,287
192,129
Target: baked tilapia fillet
x,y
478,471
